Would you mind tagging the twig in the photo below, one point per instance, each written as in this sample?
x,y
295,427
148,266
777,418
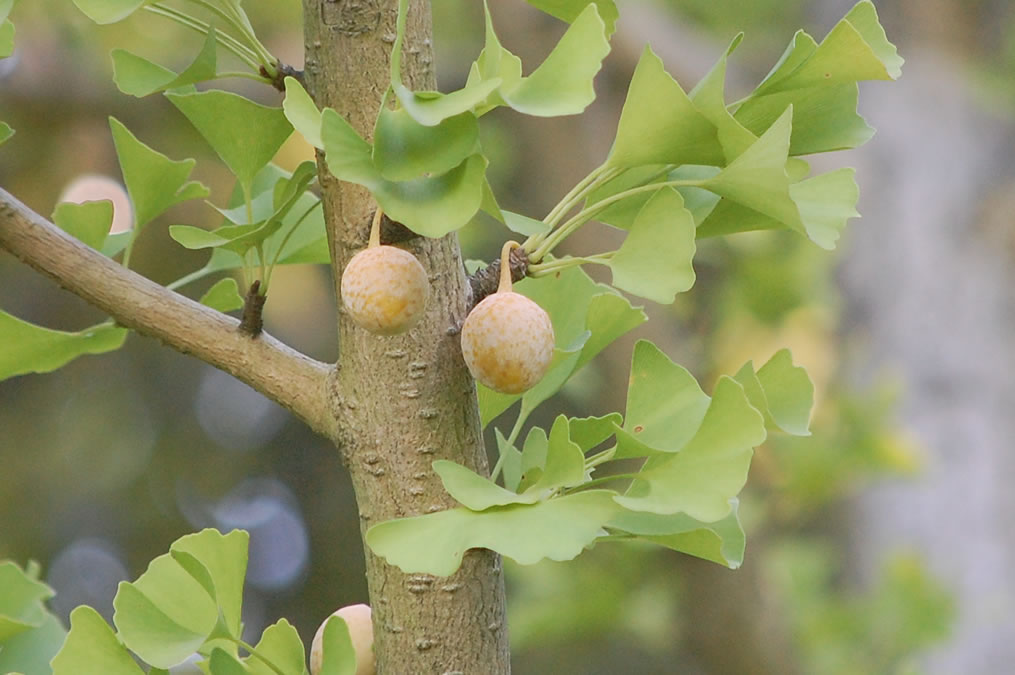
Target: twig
x,y
293,380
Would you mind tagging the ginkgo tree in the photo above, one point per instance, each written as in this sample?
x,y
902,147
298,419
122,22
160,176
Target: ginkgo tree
x,y
403,410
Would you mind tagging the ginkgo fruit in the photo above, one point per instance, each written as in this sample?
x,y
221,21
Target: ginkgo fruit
x,y
507,339
384,288
361,632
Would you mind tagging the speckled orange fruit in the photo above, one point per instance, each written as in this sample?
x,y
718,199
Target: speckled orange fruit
x,y
361,632
507,342
384,290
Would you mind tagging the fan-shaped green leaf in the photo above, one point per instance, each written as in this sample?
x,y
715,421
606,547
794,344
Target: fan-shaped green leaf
x,y
338,654
33,349
562,84
280,644
223,296
707,472
108,11
5,8
558,529
5,132
6,39
569,10
825,202
757,178
154,182
660,125
564,463
474,491
224,556
654,261
524,225
404,149
510,460
137,76
246,135
430,206
721,542
89,222
710,99
166,615
92,648
21,600
302,112
781,391
665,405
32,650
588,432
222,662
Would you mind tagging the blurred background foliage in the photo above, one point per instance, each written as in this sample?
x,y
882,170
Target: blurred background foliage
x,y
106,461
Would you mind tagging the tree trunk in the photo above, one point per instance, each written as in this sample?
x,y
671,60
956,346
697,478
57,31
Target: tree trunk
x,y
408,400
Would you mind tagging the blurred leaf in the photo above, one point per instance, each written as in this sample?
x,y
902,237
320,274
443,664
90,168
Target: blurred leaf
x,y
246,135
654,261
558,529
89,222
280,644
31,651
108,11
474,491
224,295
569,10
302,112
782,392
721,542
706,473
222,662
524,225
339,656
154,182
92,648
5,8
21,600
430,206
115,243
137,76
6,39
33,349
405,150
660,125
5,132
588,432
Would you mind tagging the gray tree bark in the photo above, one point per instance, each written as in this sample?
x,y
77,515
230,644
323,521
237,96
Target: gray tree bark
x,y
404,401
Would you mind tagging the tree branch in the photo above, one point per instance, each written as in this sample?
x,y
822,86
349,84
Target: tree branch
x,y
281,373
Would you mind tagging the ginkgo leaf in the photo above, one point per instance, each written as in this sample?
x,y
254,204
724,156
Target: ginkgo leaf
x,y
660,125
33,349
138,76
654,261
557,529
706,473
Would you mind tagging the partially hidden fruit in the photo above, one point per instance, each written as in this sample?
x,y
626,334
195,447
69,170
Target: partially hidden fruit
x,y
384,289
361,632
507,339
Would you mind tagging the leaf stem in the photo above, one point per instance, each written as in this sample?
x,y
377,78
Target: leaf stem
x,y
600,481
523,415
558,264
238,21
596,177
256,654
589,212
230,43
285,239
